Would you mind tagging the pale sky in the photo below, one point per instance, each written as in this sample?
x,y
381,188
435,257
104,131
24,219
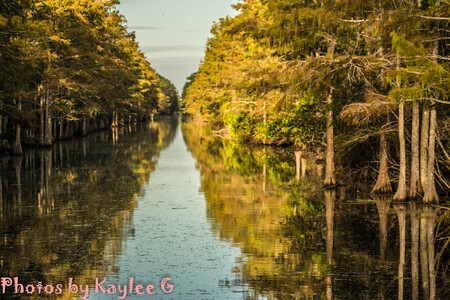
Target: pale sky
x,y
173,33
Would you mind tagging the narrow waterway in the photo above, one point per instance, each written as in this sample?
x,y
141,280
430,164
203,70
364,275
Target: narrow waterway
x,y
169,199
172,237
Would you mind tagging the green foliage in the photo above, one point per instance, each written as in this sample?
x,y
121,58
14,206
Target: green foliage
x,y
241,125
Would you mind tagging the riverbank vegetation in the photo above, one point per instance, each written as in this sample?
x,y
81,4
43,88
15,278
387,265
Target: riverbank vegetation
x,y
69,67
356,82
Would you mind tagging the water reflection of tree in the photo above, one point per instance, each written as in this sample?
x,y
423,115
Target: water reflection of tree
x,y
65,211
250,205
424,220
298,241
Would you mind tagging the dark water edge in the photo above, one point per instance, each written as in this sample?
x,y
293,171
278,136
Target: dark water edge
x,y
222,220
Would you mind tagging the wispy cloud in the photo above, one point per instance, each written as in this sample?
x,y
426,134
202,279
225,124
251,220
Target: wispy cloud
x,y
144,28
177,60
190,31
177,48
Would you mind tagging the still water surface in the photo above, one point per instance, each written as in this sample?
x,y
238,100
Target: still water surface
x,y
221,220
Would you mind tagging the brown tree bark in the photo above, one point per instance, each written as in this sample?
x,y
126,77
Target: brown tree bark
x,y
61,126
383,184
330,180
401,189
115,119
5,143
430,191
424,141
48,139
298,156
17,148
84,130
414,187
54,131
67,133
329,161
41,113
304,165
1,131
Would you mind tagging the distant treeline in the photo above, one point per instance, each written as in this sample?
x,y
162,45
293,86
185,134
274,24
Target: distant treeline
x,y
71,66
360,81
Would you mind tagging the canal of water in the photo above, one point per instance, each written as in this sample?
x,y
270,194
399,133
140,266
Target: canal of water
x,y
169,210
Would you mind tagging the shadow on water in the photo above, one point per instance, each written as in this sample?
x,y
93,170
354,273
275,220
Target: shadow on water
x,y
65,211
299,241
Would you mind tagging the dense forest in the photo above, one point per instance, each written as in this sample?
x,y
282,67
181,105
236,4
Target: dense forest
x,y
363,84
69,67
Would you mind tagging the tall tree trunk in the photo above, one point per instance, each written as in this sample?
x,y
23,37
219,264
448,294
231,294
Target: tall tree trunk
x,y
414,187
298,156
424,141
114,119
41,113
48,139
54,132
401,189
61,126
67,134
329,168
17,148
430,191
5,143
1,130
383,184
304,165
84,130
